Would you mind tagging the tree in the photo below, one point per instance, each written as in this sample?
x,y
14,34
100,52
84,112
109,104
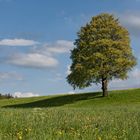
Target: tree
x,y
102,53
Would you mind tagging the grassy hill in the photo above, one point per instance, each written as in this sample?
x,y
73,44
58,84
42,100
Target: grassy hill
x,y
86,116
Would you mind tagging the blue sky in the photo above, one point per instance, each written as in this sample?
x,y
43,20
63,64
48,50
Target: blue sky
x,y
36,37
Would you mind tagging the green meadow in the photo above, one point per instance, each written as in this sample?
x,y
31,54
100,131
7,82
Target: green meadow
x,y
85,116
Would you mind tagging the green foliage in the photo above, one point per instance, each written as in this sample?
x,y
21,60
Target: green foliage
x,y
102,51
87,117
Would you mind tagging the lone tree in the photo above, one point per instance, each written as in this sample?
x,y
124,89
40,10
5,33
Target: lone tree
x,y
102,53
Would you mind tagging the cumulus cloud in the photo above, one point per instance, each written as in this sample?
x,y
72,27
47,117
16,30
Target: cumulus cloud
x,y
17,42
26,94
132,22
41,56
58,47
34,60
61,46
10,75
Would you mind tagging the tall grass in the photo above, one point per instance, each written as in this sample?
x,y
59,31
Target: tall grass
x,y
77,117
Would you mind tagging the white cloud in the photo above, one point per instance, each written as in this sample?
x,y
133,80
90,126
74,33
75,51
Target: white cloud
x,y
60,46
17,42
135,73
34,60
133,81
132,22
10,75
68,70
41,57
71,92
26,94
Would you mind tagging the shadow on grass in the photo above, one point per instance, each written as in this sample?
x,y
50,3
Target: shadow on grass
x,y
57,101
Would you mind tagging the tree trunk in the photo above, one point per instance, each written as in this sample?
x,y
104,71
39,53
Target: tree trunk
x,y
104,87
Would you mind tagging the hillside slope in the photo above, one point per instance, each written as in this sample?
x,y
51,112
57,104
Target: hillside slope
x,y
86,116
76,100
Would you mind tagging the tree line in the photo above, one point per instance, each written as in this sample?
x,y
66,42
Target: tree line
x,y
6,96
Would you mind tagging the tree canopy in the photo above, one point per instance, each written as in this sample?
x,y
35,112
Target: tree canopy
x,y
102,52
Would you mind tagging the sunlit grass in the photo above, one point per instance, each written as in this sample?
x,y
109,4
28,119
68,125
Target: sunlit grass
x,y
77,117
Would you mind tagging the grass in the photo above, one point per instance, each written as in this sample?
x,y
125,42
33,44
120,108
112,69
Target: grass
x,y
72,117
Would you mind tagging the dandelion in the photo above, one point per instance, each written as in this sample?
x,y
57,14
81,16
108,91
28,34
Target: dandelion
x,y
20,138
60,132
28,129
19,135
